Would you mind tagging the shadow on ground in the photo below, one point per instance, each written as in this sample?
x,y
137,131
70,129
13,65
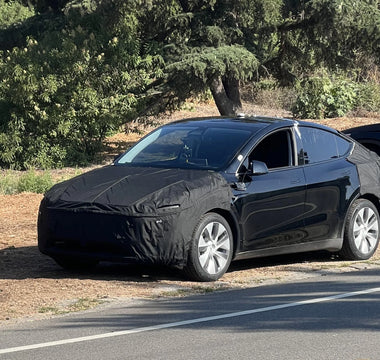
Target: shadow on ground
x,y
27,262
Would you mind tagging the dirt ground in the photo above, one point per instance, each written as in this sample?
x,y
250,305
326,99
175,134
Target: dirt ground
x,y
32,286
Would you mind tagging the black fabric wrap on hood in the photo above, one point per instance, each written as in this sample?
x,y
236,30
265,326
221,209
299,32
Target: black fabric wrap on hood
x,y
129,213
368,165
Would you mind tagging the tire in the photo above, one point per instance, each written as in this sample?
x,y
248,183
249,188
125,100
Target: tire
x,y
211,249
75,264
361,233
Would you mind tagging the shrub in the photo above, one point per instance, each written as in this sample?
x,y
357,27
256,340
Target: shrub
x,y
33,182
342,98
322,96
268,93
312,98
61,95
368,97
14,182
8,183
12,12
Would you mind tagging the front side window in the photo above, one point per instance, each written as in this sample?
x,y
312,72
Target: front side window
x,y
275,150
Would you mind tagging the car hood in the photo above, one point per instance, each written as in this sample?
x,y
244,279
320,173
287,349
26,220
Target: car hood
x,y
137,190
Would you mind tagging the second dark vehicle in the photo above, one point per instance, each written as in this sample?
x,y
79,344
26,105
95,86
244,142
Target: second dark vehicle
x,y
198,193
367,135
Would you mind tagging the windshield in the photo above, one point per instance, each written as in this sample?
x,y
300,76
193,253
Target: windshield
x,y
187,147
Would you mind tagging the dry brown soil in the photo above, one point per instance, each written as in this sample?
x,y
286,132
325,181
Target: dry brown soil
x,y
32,286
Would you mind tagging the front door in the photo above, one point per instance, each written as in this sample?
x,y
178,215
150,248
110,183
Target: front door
x,y
271,209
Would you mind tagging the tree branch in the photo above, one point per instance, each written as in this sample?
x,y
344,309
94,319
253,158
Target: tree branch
x,y
185,5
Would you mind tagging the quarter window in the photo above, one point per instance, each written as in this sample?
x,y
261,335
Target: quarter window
x,y
342,145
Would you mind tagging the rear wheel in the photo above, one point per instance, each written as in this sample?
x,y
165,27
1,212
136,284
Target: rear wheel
x,y
361,233
211,249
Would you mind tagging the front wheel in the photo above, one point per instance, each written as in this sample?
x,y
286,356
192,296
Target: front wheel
x,y
211,249
361,233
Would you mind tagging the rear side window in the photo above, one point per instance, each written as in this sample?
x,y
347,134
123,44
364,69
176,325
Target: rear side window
x,y
319,145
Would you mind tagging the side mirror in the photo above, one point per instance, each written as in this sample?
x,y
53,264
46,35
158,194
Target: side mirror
x,y
257,168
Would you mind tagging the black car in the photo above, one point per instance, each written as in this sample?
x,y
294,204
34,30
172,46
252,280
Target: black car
x,y
198,193
367,135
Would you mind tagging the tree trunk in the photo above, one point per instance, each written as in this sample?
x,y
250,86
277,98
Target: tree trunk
x,y
226,94
232,87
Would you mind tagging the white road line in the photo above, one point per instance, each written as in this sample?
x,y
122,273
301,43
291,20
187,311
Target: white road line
x,y
186,322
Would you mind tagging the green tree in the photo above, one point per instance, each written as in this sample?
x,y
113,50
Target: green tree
x,y
217,44
209,45
12,12
76,70
60,96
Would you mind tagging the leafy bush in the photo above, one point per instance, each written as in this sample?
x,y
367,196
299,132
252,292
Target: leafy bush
x,y
12,182
33,182
368,97
8,183
322,96
312,98
62,95
342,98
12,12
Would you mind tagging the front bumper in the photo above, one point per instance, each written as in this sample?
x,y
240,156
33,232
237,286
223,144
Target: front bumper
x,y
90,234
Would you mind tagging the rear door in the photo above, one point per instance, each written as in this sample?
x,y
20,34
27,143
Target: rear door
x,y
328,178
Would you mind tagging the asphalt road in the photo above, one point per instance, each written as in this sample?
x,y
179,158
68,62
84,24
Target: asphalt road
x,y
330,317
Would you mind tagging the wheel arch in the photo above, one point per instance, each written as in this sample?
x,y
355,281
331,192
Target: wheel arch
x,y
370,197
234,225
373,199
351,250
